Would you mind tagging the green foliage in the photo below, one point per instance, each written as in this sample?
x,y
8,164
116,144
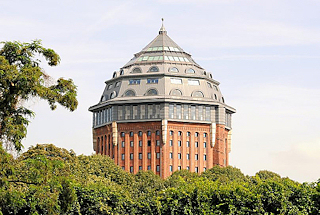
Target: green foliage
x,y
51,180
21,78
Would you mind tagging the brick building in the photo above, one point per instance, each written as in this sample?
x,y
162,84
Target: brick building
x,y
163,112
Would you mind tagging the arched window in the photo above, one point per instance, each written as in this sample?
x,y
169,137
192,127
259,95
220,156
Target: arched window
x,y
188,134
154,69
204,72
222,100
190,70
129,93
113,95
131,134
148,133
104,98
179,133
196,134
215,96
140,133
152,92
173,69
176,92
114,75
210,75
157,132
197,94
121,72
171,133
136,70
122,134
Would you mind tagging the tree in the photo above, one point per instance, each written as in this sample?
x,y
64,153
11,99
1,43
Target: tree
x,y
22,78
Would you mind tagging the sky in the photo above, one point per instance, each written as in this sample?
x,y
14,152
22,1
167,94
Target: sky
x,y
265,54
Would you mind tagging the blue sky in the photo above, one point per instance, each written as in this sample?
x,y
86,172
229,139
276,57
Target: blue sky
x,y
265,54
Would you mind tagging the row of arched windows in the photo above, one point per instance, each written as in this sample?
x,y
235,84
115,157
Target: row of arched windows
x,y
196,134
131,133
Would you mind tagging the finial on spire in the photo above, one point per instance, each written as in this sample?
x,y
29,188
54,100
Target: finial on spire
x,y
162,29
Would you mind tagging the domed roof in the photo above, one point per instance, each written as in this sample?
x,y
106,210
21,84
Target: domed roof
x,y
162,49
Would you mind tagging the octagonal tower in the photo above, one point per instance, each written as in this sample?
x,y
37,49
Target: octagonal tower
x,y
163,112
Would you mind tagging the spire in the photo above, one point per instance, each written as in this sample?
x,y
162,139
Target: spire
x,y
162,29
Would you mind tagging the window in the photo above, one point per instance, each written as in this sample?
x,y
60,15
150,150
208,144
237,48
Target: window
x,y
117,84
131,143
131,134
140,156
196,169
136,70
208,114
140,143
129,93
149,155
152,92
158,142
204,157
196,144
209,85
131,169
171,133
110,86
176,80
121,72
179,167
171,155
178,112
134,81
152,80
158,155
193,112
131,156
122,156
193,82
149,142
185,111
170,168
179,143
140,167
197,94
114,75
196,157
204,145
190,71
222,100
179,156
148,133
149,167
171,111
188,134
188,156
113,95
122,167
215,97
173,69
196,134
171,142
140,133
157,132
204,169
188,143
154,69
158,168
188,168
176,92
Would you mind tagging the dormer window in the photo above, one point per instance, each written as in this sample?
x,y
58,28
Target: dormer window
x,y
154,69
173,69
121,72
114,75
136,70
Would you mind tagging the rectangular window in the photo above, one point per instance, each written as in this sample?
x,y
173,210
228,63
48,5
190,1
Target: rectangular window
x,y
135,112
131,169
188,168
149,167
204,157
140,143
196,169
176,80
128,112
193,82
204,169
158,155
196,157
140,156
150,112
170,168
122,156
188,143
179,167
204,145
158,168
123,167
185,111
149,155
152,80
149,142
158,142
131,156
143,112
131,143
179,143
178,112
134,81
140,167
171,111
120,114
122,144
200,112
188,156
171,142
171,156
157,113
193,112
179,156
196,144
